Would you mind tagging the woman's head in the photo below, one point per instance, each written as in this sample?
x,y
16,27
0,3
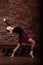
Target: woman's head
x,y
9,28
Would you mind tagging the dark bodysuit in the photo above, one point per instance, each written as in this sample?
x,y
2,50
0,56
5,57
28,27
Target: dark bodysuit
x,y
22,35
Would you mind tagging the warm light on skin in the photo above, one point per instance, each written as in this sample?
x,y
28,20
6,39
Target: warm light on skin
x,y
4,19
10,29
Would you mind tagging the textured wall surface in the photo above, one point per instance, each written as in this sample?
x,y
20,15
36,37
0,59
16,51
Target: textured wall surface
x,y
22,13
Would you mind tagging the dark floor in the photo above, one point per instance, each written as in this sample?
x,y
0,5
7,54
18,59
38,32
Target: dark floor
x,y
17,60
21,58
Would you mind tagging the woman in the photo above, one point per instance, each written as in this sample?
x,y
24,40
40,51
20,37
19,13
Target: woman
x,y
23,37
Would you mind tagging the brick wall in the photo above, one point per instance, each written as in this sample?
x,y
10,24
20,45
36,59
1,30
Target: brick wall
x,y
22,13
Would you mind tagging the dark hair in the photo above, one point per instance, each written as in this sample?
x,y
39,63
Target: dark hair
x,y
7,30
18,30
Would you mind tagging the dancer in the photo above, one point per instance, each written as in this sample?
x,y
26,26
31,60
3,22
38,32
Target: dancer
x,y
23,37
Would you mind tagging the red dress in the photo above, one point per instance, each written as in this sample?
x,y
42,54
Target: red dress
x,y
23,38
22,35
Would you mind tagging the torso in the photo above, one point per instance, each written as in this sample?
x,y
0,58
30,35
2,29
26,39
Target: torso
x,y
22,35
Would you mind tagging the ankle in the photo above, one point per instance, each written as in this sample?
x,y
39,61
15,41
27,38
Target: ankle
x,y
31,51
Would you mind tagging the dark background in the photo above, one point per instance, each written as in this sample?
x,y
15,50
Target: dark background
x,y
22,13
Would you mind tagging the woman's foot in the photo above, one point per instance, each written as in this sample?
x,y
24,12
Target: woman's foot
x,y
12,55
31,53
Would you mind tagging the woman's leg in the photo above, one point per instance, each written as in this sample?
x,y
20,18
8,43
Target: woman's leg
x,y
32,46
15,50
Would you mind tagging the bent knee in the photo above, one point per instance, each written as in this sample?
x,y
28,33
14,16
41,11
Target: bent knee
x,y
31,40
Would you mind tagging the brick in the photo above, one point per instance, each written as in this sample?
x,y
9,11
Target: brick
x,y
23,13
